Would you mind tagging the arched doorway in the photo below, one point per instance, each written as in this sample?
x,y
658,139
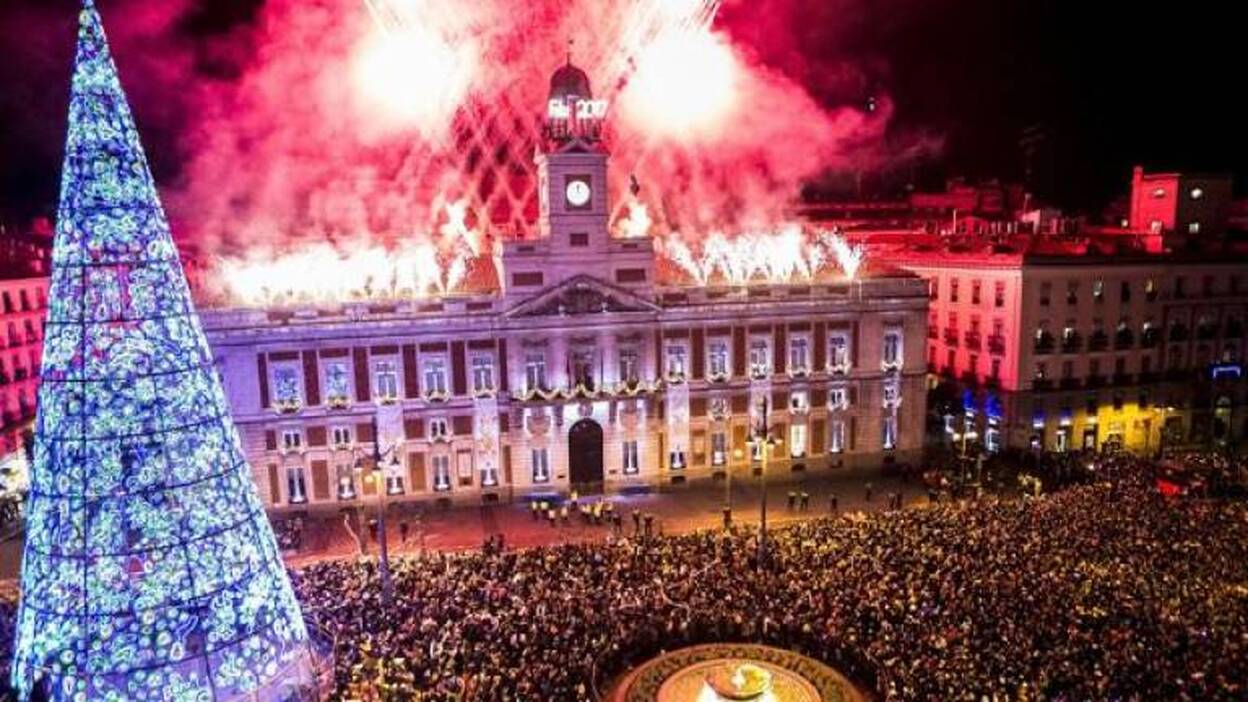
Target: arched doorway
x,y
585,454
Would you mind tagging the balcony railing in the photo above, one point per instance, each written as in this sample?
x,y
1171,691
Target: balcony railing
x,y
1069,383
1178,333
1044,344
1124,339
1042,384
1098,341
951,337
972,340
1149,338
1071,343
1206,332
996,344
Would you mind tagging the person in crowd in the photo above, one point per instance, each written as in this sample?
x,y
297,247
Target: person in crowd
x,y
1101,591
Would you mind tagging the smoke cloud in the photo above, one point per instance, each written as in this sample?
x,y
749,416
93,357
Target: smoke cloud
x,y
363,121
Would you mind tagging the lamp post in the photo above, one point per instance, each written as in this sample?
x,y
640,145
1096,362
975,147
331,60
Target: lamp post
x,y
765,442
379,481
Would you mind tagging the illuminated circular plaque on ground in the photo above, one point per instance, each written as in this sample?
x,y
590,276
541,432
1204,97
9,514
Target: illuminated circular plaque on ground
x,y
734,673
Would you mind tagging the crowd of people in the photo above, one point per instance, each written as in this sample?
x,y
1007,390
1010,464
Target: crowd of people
x,y
1104,591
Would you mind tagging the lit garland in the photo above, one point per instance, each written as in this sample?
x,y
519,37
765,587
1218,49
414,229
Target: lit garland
x,y
150,571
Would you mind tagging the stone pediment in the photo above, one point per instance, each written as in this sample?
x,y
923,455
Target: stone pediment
x,y
582,295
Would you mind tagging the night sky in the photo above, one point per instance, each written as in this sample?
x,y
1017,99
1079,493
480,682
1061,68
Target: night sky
x,y
1109,83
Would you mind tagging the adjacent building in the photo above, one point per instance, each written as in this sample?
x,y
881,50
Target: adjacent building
x,y
1130,337
23,306
575,359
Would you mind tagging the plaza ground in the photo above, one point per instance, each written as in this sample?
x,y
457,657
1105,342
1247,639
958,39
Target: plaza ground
x,y
676,509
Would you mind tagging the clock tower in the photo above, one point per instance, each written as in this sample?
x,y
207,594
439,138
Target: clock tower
x,y
573,227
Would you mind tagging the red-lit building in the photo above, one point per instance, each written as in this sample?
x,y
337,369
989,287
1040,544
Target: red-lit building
x,y
1099,338
23,307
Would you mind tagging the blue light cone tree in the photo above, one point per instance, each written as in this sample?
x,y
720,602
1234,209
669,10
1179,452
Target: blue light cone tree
x,y
150,570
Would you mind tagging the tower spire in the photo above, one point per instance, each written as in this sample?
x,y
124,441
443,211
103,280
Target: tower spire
x,y
150,571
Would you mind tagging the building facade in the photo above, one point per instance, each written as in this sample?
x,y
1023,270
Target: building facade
x,y
23,306
579,367
1070,346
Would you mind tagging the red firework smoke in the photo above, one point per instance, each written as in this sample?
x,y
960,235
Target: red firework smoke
x,y
364,118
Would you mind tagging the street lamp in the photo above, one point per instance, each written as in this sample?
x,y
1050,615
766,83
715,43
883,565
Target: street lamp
x,y
765,443
378,478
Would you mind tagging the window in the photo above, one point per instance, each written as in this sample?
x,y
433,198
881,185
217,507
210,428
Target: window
x,y
951,360
541,465
1042,371
953,289
583,369
838,398
719,448
892,349
799,355
676,361
1046,292
340,436
489,473
1072,292
1094,367
1124,291
797,440
1196,193
760,358
1159,193
838,353
676,458
1193,227
1150,290
441,472
296,487
1179,292
933,288
836,436
435,377
394,480
996,369
386,381
1120,366
578,239
292,440
1206,286
1098,290
1068,370
346,481
717,358
628,366
535,372
286,390
799,401
975,288
482,374
439,429
998,294
892,394
719,407
889,440
972,366
1155,226
631,462
337,384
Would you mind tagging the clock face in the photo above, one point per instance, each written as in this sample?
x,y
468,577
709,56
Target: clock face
x,y
578,193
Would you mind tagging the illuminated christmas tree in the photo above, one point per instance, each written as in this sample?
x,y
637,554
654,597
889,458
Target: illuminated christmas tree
x,y
150,570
